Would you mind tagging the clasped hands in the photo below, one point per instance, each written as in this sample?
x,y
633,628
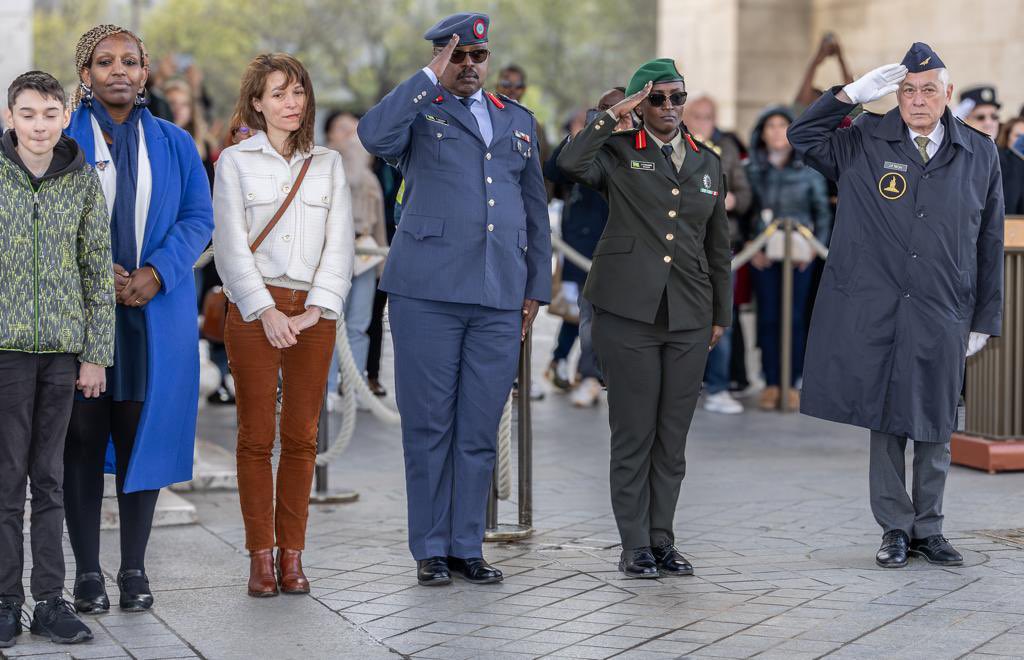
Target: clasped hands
x,y
137,288
283,331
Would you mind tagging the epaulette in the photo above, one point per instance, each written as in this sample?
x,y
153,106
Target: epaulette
x,y
966,125
508,100
707,148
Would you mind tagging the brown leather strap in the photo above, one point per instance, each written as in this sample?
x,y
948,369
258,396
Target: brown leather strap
x,y
284,205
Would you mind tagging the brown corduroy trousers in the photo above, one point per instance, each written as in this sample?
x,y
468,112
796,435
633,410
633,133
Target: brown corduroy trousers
x,y
255,364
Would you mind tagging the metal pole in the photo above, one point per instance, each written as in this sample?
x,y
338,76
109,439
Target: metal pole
x,y
495,531
786,340
525,439
322,493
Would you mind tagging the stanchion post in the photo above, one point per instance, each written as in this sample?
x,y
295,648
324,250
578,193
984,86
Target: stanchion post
x,y
495,531
321,492
525,428
786,340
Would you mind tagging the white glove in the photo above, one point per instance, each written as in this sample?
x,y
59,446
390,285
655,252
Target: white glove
x,y
873,85
976,342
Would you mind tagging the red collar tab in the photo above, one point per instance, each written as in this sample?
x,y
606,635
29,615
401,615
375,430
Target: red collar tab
x,y
640,141
693,145
497,102
439,99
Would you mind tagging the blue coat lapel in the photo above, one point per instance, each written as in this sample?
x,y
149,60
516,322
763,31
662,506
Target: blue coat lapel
x,y
501,120
460,113
159,164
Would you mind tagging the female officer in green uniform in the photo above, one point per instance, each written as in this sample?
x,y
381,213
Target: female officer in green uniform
x,y
661,290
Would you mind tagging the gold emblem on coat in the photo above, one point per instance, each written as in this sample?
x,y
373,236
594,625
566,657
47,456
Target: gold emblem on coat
x,y
892,185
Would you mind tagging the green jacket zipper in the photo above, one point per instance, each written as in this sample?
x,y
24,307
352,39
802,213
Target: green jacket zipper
x,y
35,270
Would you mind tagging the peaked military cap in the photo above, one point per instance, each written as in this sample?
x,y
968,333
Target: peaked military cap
x,y
471,27
921,58
981,95
656,71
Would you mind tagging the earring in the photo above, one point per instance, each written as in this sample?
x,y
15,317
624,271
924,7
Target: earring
x,y
86,92
140,99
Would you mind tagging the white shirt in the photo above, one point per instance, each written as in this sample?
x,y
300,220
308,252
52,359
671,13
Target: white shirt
x,y
478,108
934,139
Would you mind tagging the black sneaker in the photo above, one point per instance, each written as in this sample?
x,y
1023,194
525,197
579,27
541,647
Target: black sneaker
x,y
56,620
10,622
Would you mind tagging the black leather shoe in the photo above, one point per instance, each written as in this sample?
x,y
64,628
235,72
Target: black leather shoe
x,y
135,593
893,553
475,570
433,572
10,621
669,560
936,550
638,563
91,594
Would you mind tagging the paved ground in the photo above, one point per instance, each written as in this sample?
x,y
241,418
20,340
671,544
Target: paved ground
x,y
773,515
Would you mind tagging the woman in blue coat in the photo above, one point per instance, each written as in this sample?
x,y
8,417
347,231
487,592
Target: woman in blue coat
x,y
161,220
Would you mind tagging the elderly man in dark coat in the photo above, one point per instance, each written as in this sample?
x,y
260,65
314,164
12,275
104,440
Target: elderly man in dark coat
x,y
914,283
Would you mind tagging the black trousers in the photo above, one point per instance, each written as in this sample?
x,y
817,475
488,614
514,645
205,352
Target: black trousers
x,y
94,422
654,377
376,332
36,392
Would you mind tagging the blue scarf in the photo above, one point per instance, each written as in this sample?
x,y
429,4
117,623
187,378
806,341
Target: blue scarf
x,y
125,153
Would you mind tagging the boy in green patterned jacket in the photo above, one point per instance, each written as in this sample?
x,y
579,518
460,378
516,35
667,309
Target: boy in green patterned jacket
x,y
56,335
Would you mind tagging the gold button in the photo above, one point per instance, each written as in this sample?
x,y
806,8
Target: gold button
x,y
490,227
490,180
671,214
668,259
669,237
325,199
286,238
675,191
251,196
285,188
490,202
487,155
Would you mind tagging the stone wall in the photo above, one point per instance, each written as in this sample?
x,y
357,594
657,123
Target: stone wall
x,y
752,53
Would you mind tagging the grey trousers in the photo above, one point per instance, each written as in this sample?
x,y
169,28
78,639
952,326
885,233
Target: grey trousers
x,y
654,377
36,394
920,515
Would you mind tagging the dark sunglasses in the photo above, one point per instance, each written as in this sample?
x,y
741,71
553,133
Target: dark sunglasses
x,y
508,84
657,99
478,56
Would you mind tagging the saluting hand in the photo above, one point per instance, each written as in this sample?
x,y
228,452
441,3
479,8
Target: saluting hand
x,y
440,61
874,84
626,105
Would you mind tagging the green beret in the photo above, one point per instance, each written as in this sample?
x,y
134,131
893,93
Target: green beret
x,y
656,71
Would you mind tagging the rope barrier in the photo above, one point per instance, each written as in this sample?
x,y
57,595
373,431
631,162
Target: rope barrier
x,y
504,467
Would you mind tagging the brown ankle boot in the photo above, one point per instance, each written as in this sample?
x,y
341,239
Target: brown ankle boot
x,y
262,582
289,572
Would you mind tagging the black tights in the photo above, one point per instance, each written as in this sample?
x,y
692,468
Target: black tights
x,y
93,424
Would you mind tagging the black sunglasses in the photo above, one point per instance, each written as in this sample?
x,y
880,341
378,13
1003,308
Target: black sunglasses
x,y
508,84
657,99
478,56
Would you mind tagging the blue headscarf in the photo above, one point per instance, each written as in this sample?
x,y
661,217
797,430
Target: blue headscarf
x,y
125,153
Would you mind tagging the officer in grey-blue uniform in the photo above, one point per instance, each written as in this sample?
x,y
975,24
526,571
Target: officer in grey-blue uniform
x,y
468,268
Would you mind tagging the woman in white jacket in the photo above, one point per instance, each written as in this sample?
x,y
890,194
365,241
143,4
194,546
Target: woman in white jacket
x,y
285,297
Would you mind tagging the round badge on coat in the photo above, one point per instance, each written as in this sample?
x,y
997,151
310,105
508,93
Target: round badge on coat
x,y
892,185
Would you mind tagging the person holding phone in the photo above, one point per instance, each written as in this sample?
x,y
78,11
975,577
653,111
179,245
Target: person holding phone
x,y
662,295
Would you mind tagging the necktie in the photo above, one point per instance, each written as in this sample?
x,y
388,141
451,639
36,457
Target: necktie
x,y
668,150
922,146
467,101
